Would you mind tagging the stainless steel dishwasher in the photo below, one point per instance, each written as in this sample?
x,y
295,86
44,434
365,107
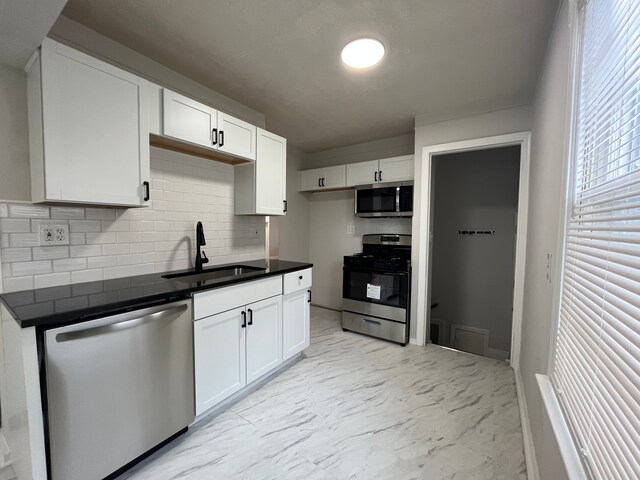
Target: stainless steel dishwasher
x,y
117,387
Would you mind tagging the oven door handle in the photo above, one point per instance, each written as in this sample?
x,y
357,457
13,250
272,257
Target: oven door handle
x,y
373,270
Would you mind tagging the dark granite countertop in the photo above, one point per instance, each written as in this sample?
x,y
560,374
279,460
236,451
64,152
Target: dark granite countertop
x,y
56,306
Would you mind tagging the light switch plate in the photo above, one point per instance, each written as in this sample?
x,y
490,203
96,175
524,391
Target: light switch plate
x,y
351,230
54,234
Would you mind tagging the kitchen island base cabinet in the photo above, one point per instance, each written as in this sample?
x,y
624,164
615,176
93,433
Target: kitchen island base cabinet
x,y
219,349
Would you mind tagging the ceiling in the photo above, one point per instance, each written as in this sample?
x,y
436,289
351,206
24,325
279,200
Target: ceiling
x,y
445,58
23,26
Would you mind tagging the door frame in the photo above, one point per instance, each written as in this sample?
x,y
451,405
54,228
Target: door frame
x,y
422,230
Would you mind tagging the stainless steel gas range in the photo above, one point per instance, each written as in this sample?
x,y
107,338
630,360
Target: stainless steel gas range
x,y
376,288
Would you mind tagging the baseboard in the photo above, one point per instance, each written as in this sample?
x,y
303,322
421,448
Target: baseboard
x,y
527,438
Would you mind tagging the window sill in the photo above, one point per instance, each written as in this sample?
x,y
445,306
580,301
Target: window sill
x,y
570,457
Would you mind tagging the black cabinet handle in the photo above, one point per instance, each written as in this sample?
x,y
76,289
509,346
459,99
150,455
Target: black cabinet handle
x,y
323,181
147,195
380,175
221,138
300,277
244,319
250,316
375,176
309,301
285,206
319,182
214,136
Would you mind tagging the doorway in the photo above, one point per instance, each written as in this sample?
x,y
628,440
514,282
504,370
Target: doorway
x,y
422,233
475,204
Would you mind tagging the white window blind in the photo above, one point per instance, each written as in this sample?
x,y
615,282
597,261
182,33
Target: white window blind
x,y
597,360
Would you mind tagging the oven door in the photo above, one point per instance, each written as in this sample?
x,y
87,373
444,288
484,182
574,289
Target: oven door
x,y
375,286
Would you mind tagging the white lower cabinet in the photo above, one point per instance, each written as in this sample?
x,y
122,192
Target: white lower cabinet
x,y
296,314
238,346
220,359
264,337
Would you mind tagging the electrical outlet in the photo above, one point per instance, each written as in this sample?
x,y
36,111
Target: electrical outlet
x,y
351,230
253,231
52,234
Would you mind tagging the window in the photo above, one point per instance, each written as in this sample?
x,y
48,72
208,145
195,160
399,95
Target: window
x,y
596,370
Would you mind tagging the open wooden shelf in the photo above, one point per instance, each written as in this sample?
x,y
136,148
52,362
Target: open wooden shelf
x,y
180,146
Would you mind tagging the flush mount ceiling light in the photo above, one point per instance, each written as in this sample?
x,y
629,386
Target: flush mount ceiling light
x,y
362,53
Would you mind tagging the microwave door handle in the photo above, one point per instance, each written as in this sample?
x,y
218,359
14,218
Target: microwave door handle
x,y
397,199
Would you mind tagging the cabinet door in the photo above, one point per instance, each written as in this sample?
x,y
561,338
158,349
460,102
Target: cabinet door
x,y
295,323
396,169
310,179
188,120
362,173
95,130
219,355
264,337
271,173
236,136
334,177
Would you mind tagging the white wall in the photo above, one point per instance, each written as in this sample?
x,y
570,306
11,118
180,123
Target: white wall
x,y
108,243
15,180
473,275
293,228
548,142
490,124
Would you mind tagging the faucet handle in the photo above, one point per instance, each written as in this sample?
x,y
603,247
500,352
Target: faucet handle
x,y
205,259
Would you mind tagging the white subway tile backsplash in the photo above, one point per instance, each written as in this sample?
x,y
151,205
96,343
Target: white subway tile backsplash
x,y
128,237
69,264
100,214
102,261
115,249
107,243
117,272
84,226
142,269
117,226
102,237
15,284
81,276
131,259
24,239
67,213
77,238
14,225
28,211
21,269
10,255
85,250
50,253
51,280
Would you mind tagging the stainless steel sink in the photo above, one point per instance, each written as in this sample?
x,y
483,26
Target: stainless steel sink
x,y
214,273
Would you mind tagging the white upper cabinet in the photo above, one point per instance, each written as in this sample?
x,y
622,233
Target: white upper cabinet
x,y
88,130
322,178
236,136
362,173
260,187
188,120
197,123
395,169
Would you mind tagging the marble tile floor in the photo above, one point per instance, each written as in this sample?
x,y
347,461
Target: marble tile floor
x,y
359,408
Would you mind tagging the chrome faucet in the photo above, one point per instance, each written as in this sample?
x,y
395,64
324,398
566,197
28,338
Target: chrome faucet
x,y
201,257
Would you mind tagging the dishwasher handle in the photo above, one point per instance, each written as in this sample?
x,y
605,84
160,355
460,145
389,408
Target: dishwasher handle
x,y
123,322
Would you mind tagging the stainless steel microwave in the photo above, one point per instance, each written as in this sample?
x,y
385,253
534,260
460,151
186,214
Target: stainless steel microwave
x,y
384,200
